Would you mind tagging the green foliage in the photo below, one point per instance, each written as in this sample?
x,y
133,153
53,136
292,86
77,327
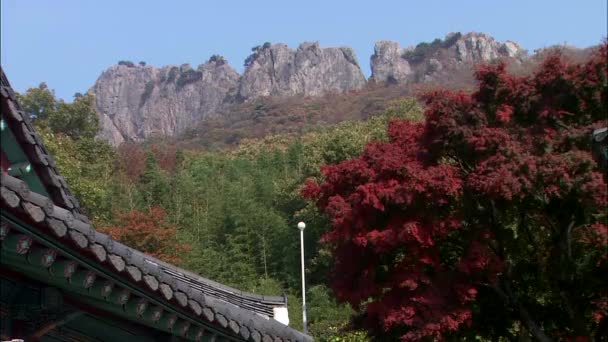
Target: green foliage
x,y
424,49
68,130
127,63
153,185
87,166
149,87
77,119
218,59
328,319
38,102
451,39
188,76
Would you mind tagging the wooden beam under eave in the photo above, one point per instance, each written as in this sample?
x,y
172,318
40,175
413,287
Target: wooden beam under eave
x,y
41,256
63,268
83,278
120,297
102,288
167,321
181,328
17,243
136,306
153,314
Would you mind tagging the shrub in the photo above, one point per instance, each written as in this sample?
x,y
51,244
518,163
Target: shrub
x,y
451,39
250,59
218,59
189,76
126,63
172,74
149,87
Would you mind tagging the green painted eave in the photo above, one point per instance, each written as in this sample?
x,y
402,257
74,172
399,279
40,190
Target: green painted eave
x,y
15,155
20,264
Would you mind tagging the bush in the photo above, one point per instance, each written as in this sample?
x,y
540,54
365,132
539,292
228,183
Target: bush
x,y
451,39
126,63
142,63
419,53
172,74
250,59
218,59
147,92
189,76
423,50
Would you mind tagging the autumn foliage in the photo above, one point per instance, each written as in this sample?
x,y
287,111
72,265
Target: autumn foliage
x,y
495,198
147,231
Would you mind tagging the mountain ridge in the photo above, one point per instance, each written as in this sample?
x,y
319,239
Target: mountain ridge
x,y
136,102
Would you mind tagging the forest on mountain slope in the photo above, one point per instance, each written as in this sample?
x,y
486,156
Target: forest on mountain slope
x,y
492,272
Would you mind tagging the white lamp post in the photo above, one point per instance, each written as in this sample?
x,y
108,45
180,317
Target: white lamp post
x,y
301,226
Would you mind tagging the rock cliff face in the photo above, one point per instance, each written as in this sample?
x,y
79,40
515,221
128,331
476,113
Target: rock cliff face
x,y
432,61
388,64
136,102
277,70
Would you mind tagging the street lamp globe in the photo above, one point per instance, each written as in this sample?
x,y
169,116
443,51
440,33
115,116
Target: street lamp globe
x,y
301,225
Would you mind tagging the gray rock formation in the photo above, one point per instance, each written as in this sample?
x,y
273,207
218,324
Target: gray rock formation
x,y
432,61
277,70
388,64
138,102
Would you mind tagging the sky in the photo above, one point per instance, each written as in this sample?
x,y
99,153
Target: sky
x,y
68,43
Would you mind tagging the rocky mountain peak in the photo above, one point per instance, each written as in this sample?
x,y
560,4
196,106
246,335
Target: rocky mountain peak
x,y
277,70
428,61
388,64
137,101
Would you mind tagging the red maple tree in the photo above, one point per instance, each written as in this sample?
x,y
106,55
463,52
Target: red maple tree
x,y
148,232
495,193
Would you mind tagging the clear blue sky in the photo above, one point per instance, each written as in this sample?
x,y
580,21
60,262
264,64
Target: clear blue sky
x,y
68,43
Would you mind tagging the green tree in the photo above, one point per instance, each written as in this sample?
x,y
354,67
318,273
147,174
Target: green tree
x,y
77,119
152,182
39,102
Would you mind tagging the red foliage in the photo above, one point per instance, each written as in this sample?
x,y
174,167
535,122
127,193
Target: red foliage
x,y
132,160
398,210
165,154
148,232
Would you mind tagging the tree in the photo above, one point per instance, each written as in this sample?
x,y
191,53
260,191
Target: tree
x,y
77,119
38,102
494,207
147,231
152,182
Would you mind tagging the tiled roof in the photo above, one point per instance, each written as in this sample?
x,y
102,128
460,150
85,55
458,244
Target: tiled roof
x,y
42,162
61,218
